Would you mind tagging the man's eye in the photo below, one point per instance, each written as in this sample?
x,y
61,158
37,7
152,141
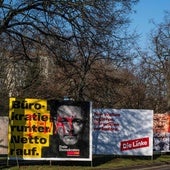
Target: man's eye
x,y
78,121
63,120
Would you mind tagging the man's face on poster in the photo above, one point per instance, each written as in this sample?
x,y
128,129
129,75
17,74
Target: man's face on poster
x,y
69,124
161,123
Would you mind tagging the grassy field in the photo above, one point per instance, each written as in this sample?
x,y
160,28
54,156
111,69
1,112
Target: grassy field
x,y
98,163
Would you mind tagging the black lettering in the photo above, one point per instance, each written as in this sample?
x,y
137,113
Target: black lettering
x,y
32,128
44,118
40,129
16,116
30,105
15,104
21,128
24,151
37,106
25,105
37,117
31,140
43,140
24,140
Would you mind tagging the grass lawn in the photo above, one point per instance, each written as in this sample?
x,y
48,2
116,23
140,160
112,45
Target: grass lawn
x,y
98,163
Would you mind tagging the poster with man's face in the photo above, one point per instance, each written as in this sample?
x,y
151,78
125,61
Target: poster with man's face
x,y
71,137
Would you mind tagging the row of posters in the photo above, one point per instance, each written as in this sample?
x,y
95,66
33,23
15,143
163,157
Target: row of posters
x,y
68,130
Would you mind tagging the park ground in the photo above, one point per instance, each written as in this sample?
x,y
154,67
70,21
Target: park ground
x,y
98,163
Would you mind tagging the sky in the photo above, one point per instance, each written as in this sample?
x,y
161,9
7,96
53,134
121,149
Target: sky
x,y
147,10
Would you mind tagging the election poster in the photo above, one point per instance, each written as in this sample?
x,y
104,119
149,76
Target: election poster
x,y
123,132
3,135
49,130
72,137
161,132
29,128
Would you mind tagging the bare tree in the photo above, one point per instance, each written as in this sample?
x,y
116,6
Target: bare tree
x,y
62,20
153,69
161,41
75,33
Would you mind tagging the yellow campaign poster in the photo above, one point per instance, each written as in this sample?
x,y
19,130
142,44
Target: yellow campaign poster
x,y
29,128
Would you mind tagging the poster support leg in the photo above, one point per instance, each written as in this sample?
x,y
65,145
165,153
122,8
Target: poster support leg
x,y
91,163
16,155
7,162
17,159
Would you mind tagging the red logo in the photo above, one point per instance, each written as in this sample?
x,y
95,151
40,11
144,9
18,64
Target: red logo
x,y
73,153
134,144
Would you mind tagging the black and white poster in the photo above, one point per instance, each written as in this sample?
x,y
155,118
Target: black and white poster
x,y
71,138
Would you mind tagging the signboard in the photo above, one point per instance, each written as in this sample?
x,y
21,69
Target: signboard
x,y
49,130
72,138
3,135
29,128
123,132
161,131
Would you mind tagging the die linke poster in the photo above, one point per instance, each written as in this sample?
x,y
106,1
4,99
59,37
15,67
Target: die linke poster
x,y
123,132
49,130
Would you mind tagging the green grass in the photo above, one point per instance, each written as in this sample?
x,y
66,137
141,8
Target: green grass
x,y
99,162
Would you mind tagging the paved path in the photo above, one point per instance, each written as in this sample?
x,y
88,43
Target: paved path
x,y
155,166
160,167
